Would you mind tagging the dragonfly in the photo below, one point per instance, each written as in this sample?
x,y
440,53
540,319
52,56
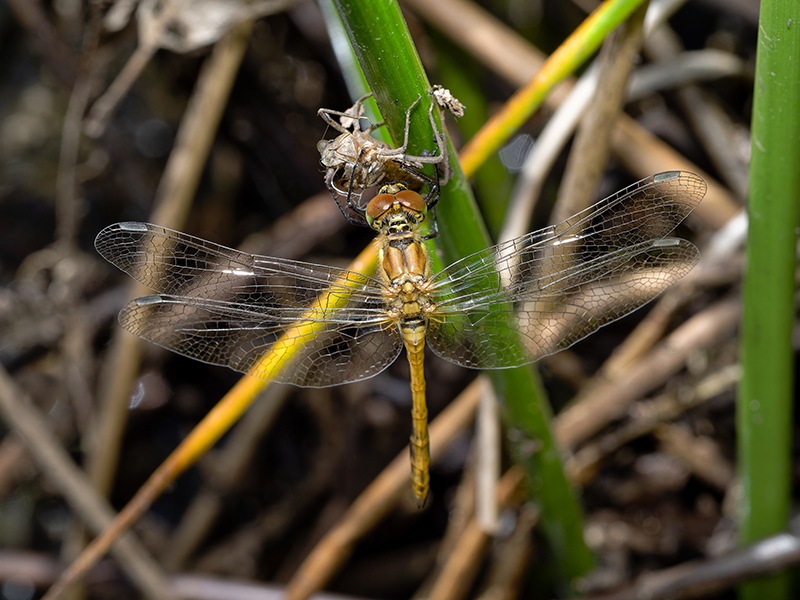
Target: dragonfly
x,y
314,325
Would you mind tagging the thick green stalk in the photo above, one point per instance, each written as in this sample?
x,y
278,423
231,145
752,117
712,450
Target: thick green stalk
x,y
391,65
766,391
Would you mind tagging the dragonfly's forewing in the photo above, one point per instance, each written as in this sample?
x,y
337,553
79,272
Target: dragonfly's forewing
x,y
514,303
252,313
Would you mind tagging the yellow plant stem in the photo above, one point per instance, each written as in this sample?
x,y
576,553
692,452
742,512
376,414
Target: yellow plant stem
x,y
562,63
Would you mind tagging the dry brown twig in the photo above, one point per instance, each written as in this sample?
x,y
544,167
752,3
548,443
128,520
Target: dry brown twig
x,y
702,579
458,573
77,489
582,466
227,466
177,25
599,405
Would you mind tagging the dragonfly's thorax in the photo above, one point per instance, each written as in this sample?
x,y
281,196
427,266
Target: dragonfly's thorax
x,y
404,265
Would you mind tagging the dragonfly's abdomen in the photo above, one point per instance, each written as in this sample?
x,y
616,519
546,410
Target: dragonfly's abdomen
x,y
413,331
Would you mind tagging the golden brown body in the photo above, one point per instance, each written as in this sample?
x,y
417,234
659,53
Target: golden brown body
x,y
397,213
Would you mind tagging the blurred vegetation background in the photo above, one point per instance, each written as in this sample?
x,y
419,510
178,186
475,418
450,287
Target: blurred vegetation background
x,y
201,115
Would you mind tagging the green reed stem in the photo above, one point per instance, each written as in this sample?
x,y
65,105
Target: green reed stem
x,y
767,388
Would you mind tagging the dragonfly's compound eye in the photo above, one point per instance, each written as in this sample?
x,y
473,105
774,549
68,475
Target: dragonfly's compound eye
x,y
411,200
378,207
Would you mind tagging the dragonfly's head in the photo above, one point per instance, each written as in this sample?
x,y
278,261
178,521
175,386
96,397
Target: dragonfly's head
x,y
396,210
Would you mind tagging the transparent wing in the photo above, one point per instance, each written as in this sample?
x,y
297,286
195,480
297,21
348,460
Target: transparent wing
x,y
227,307
550,288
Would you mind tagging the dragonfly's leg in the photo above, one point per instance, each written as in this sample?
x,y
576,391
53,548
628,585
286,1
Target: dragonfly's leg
x,y
353,113
327,115
407,128
432,197
434,184
441,145
361,100
336,195
350,204
434,230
